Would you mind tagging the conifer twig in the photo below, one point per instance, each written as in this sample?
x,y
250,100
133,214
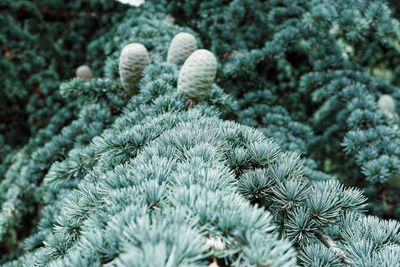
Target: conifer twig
x,y
330,244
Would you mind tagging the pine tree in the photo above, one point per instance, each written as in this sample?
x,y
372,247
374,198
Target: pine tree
x,y
175,167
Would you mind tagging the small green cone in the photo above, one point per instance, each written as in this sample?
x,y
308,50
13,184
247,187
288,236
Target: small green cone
x,y
134,58
84,72
197,75
182,46
387,103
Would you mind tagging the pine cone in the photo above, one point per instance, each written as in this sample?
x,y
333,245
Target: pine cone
x,y
197,75
387,103
84,72
134,58
181,47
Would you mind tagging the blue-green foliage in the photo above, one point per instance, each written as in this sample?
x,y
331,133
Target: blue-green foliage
x,y
158,178
326,62
152,181
21,192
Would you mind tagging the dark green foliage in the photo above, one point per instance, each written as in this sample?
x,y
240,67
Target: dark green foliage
x,y
42,43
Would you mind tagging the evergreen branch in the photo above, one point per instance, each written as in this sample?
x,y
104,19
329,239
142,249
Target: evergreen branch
x,y
330,244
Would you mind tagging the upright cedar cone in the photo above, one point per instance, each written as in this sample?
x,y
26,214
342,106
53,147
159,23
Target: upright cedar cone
x,y
181,47
134,58
387,103
84,72
197,75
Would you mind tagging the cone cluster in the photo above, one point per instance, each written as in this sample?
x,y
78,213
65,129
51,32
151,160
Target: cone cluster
x,y
195,77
